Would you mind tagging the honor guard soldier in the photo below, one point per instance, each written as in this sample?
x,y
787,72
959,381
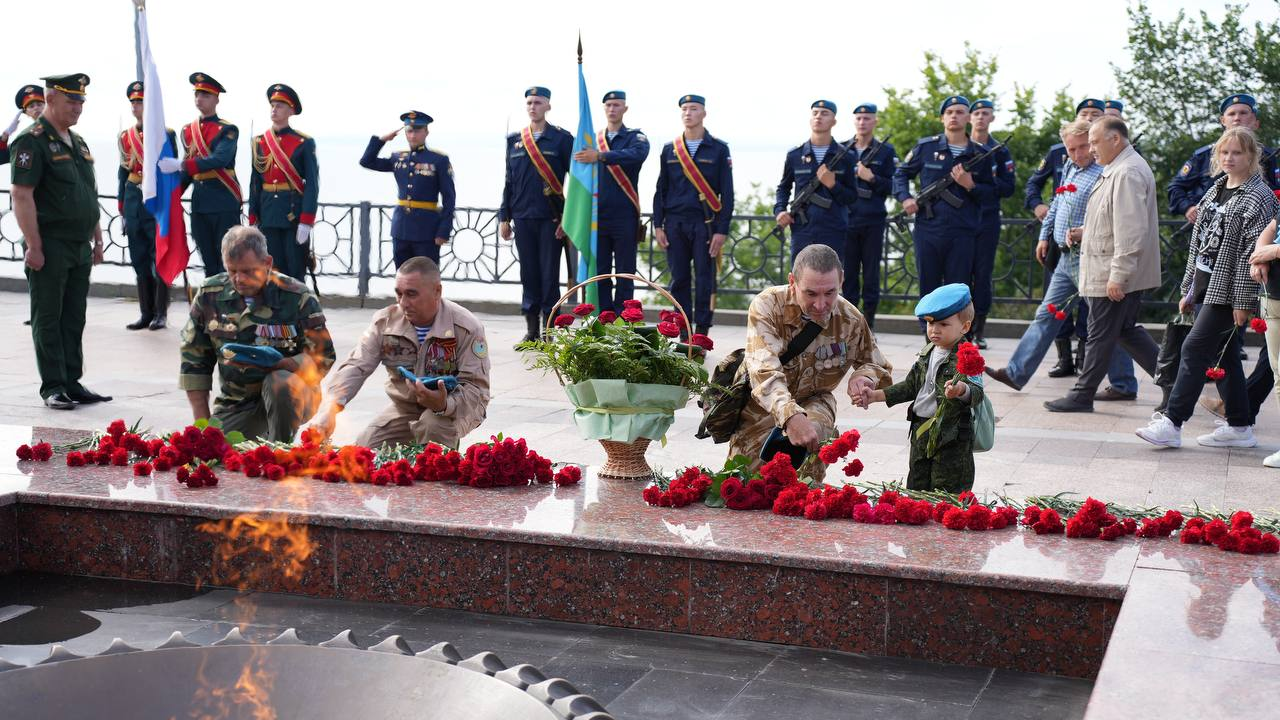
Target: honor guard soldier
x,y
423,219
252,304
692,208
1113,107
1051,166
285,186
1194,178
864,242
533,196
946,233
30,102
622,151
981,113
55,201
210,165
139,223
827,216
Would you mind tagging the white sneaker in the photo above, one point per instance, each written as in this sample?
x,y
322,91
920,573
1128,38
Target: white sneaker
x,y
1227,436
1272,460
1161,431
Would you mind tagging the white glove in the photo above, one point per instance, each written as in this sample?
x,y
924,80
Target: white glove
x,y
169,165
13,125
304,234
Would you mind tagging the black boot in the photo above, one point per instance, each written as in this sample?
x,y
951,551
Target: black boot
x,y
702,329
980,332
146,301
1066,366
1165,391
532,329
869,313
161,320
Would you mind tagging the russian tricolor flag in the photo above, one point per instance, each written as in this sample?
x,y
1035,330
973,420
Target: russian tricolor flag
x,y
161,193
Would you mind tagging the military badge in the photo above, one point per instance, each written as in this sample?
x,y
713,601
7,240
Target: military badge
x,y
480,349
1186,168
1042,164
23,160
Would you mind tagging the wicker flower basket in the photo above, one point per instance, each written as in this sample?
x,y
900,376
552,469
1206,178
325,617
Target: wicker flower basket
x,y
625,458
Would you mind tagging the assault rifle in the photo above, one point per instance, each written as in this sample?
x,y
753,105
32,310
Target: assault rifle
x,y
807,195
940,189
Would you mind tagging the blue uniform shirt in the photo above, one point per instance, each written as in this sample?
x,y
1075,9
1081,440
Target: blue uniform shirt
x,y
869,208
931,159
799,169
422,175
1050,167
1194,179
628,150
524,193
676,198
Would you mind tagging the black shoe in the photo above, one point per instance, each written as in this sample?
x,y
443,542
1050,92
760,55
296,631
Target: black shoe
x,y
980,332
532,329
1067,405
1110,394
1066,366
1002,375
140,324
59,401
159,323
85,396
702,329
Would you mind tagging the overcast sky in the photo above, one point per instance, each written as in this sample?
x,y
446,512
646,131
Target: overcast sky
x,y
357,67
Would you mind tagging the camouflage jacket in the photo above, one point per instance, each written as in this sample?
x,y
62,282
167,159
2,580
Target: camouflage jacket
x,y
287,317
773,319
951,416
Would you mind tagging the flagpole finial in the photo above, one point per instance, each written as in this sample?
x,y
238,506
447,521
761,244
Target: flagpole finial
x,y
141,4
579,47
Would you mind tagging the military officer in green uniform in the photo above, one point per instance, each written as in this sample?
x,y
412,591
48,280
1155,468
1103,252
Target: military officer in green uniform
x,y
55,200
252,304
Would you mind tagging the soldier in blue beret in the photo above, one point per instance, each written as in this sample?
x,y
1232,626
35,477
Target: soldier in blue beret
x,y
864,241
622,151
981,113
537,160
692,207
827,216
423,218
1051,167
1113,107
945,242
941,397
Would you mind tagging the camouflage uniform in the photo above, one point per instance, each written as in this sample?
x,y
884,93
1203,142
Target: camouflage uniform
x,y
256,401
455,346
950,467
805,384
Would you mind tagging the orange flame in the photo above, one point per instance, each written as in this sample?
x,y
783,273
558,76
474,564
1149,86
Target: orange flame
x,y
253,545
248,697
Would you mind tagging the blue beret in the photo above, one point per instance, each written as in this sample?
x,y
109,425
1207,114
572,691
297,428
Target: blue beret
x,y
692,98
953,100
416,118
614,95
824,104
943,302
1238,99
1113,105
538,91
983,103
285,94
1094,103
869,108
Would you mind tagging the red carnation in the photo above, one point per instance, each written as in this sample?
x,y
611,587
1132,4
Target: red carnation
x,y
967,498
1060,189
979,517
163,464
274,472
24,452
633,315
75,458
702,341
669,329
120,457
584,309
1051,308
183,474
651,494
1241,519
969,361
1270,544
1191,536
1258,325
1048,523
853,469
42,451
1112,532
204,476
955,519
117,428
1215,373
607,317
142,469
1059,315
1071,187
815,511
568,475
1030,515
941,509
884,514
563,321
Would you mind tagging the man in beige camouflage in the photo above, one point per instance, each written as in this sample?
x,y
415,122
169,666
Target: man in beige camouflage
x,y
252,304
798,396
429,336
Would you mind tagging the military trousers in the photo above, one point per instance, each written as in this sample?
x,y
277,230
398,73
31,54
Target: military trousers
x,y
689,241
59,294
756,423
285,401
411,424
539,252
402,249
984,261
943,255
951,467
616,253
207,230
289,257
864,247
153,294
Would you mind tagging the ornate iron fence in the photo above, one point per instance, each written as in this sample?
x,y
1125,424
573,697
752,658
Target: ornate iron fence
x,y
353,240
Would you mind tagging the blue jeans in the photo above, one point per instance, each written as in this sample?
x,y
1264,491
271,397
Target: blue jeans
x,y
1044,329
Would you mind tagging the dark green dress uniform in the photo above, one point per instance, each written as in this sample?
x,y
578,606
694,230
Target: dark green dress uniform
x,y
258,402
66,198
282,197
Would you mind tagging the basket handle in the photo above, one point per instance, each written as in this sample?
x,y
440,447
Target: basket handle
x,y
626,276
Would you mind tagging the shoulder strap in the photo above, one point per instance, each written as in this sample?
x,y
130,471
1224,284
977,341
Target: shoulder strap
x,y
800,342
